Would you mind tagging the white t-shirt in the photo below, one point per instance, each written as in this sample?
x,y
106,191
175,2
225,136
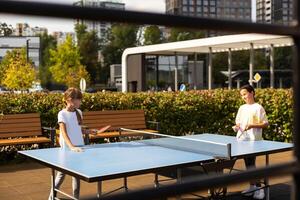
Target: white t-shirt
x,y
250,114
72,126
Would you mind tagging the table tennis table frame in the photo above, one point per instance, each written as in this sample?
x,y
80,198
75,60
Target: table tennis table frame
x,y
99,180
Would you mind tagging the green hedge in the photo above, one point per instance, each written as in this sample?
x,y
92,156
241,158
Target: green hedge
x,y
179,113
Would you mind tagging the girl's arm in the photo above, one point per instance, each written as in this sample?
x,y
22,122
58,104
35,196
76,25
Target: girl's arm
x,y
63,131
258,125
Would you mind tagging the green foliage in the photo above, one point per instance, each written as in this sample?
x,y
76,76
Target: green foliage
x,y
179,113
47,42
120,37
17,73
66,67
88,44
152,35
178,34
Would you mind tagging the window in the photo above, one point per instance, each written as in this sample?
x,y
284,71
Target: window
x,y
184,2
205,9
199,9
191,2
212,9
192,9
205,2
199,2
184,8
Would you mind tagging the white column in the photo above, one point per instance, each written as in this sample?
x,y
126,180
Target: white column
x,y
229,69
251,64
176,72
210,69
272,75
124,72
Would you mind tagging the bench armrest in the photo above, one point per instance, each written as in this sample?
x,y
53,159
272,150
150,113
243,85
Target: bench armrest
x,y
155,122
52,134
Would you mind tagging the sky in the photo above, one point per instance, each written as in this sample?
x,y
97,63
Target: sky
x,y
56,24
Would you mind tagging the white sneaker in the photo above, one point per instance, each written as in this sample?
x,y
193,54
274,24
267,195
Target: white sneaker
x,y
259,194
250,191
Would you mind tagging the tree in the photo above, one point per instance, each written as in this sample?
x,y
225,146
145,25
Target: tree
x,y
5,30
178,34
18,73
88,44
66,67
120,37
152,35
47,42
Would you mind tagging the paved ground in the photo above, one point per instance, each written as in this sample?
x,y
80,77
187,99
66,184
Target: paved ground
x,y
31,181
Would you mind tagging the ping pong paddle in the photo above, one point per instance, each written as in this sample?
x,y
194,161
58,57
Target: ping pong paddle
x,y
100,130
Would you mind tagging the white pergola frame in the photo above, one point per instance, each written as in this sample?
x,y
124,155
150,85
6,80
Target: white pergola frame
x,y
227,43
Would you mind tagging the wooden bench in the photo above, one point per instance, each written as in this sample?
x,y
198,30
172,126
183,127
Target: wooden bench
x,y
130,119
23,129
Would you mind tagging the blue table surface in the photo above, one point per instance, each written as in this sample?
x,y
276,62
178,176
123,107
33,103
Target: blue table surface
x,y
117,158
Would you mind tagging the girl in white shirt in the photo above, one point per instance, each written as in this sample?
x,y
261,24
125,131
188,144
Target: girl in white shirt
x,y
69,120
250,120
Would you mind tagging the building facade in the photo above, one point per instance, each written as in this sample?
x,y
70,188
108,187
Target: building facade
x,y
158,72
23,29
31,43
225,9
100,27
274,11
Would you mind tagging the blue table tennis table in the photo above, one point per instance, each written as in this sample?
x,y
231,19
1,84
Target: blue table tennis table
x,y
101,162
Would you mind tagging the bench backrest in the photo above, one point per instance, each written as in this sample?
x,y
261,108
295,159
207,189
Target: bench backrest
x,y
20,125
131,119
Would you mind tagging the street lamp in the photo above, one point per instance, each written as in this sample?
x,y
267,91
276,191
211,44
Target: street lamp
x,y
27,50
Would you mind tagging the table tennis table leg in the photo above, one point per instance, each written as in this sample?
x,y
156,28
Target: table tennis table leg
x,y
156,182
179,180
53,193
125,184
99,189
267,180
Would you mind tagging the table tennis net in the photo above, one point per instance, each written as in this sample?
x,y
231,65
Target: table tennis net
x,y
217,150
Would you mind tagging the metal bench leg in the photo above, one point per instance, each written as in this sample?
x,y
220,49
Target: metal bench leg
x,y
99,189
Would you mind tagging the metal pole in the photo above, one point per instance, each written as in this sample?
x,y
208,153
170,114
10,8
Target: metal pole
x,y
229,69
27,50
272,76
251,64
210,69
176,72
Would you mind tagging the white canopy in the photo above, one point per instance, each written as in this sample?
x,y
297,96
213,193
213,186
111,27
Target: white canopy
x,y
217,44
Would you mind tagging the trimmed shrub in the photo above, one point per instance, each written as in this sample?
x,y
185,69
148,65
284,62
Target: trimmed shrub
x,y
178,112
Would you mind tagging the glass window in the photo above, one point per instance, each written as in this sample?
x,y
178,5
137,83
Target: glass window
x,y
205,9
212,9
199,9
205,2
191,2
199,2
184,8
184,2
192,9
